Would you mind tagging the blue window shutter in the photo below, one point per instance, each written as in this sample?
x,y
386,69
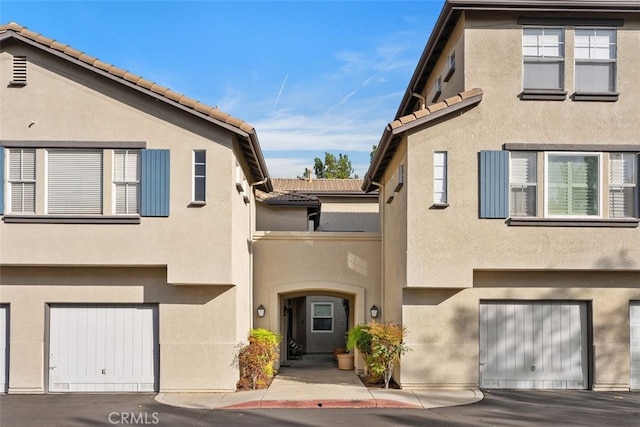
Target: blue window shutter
x,y
2,180
154,183
494,184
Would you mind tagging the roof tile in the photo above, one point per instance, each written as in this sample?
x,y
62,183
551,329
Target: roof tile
x,y
437,107
421,113
470,93
453,100
75,53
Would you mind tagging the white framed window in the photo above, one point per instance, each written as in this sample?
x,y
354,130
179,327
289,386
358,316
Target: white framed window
x,y
595,60
22,180
74,181
451,66
440,166
199,175
126,181
543,58
523,183
437,89
573,184
622,185
321,317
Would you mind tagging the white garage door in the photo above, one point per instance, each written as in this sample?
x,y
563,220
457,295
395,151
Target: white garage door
x,y
634,314
102,348
532,345
4,348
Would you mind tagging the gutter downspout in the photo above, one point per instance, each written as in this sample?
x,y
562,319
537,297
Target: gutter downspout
x,y
382,252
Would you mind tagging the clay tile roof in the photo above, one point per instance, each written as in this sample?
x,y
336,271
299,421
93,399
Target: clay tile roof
x,y
318,186
287,198
390,141
123,74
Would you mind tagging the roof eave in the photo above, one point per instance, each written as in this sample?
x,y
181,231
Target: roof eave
x,y
257,163
391,132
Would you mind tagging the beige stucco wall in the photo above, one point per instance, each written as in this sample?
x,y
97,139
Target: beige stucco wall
x,y
456,233
288,265
194,243
349,214
281,218
192,357
449,252
195,264
443,323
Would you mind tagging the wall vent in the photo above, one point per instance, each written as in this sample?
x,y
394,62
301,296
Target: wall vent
x,y
19,71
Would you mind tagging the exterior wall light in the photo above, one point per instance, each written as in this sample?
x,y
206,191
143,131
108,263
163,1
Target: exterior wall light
x,y
261,310
374,311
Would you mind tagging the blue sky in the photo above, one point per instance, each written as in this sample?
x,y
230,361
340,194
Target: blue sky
x,y
310,76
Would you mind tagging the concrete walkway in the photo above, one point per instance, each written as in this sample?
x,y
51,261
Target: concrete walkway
x,y
316,382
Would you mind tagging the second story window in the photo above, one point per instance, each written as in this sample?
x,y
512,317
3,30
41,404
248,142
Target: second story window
x,y
74,181
437,89
22,180
126,181
199,175
543,56
440,178
595,56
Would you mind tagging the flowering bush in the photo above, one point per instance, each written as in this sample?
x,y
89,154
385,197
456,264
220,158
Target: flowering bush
x,y
381,347
256,359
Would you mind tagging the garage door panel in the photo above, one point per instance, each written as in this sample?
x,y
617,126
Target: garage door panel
x,y
533,345
4,348
102,348
634,345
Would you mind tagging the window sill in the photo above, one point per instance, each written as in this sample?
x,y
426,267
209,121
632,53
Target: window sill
x,y
543,95
71,219
449,74
439,206
596,96
17,83
573,222
197,204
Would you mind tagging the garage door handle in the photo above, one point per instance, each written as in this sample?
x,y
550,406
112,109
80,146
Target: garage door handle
x,y
51,368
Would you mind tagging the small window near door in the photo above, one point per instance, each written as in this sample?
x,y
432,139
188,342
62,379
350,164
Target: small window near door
x,y
322,317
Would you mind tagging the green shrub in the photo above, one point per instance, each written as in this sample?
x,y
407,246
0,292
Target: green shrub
x,y
381,347
256,359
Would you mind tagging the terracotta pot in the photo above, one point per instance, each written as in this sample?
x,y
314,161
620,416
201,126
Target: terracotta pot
x,y
345,361
336,351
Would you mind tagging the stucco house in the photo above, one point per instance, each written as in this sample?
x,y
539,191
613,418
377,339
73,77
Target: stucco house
x,y
126,211
511,249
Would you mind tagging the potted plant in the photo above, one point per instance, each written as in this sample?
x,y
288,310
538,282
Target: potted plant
x,y
345,361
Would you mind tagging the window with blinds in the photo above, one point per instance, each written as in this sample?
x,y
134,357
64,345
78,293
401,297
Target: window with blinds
x,y
543,57
74,182
22,181
322,317
595,58
573,184
622,185
126,181
523,183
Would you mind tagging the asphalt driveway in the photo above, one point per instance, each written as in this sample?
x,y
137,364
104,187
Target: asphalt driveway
x,y
498,408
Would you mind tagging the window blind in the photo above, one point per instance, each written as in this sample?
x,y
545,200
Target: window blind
x,y
622,185
126,171
74,182
523,182
22,177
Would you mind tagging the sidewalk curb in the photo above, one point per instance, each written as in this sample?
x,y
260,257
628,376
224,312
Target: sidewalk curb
x,y
321,404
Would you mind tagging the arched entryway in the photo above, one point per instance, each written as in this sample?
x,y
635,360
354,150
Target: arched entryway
x,y
314,316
